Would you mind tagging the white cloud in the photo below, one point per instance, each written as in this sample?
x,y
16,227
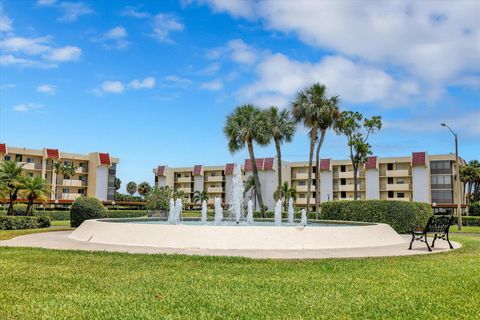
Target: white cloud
x,y
5,21
73,10
172,81
115,37
10,60
30,46
146,83
163,25
135,13
25,107
46,2
237,8
112,87
241,52
213,85
67,53
47,89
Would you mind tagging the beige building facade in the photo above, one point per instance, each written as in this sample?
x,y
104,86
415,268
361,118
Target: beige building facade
x,y
416,177
94,176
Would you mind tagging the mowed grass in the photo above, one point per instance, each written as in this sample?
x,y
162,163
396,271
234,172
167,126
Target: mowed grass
x,y
50,284
9,234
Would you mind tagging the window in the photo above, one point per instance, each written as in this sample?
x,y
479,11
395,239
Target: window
x,y
400,195
18,157
302,195
439,167
302,183
7,158
81,191
30,174
343,168
400,181
390,166
343,181
213,174
390,181
442,196
441,182
343,194
66,190
29,160
401,166
390,194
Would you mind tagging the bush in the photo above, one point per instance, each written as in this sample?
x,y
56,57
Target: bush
x,y
126,197
469,221
400,215
85,208
158,199
23,222
54,215
126,213
474,209
20,209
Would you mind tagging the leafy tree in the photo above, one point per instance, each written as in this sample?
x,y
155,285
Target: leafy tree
x,y
250,187
357,129
470,176
131,188
246,125
11,181
117,183
144,188
34,189
284,193
158,199
282,128
68,171
57,167
199,196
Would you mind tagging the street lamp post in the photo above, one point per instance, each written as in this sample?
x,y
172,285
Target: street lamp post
x,y
457,173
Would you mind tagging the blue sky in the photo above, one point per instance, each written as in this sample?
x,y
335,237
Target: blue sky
x,y
152,83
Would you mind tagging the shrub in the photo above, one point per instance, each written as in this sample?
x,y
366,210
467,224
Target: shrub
x,y
400,215
85,208
469,221
20,209
23,222
474,209
126,213
54,215
158,199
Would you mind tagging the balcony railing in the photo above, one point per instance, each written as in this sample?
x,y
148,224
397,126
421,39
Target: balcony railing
x,y
31,166
71,196
396,173
74,183
184,179
187,190
398,187
215,189
214,179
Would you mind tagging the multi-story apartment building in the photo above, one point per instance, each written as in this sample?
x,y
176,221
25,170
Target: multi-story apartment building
x,y
94,176
418,177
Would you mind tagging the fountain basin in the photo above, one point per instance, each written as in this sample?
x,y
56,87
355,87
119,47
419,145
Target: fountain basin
x,y
259,236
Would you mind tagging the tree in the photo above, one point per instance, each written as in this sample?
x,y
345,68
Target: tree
x,y
308,109
199,196
250,187
117,184
357,129
34,189
246,125
68,171
284,193
470,176
11,180
131,188
144,188
57,167
282,128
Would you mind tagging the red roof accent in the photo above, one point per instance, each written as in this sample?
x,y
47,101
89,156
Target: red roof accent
x,y
325,164
268,164
418,159
247,166
197,170
53,154
160,170
104,159
259,163
371,163
3,148
229,168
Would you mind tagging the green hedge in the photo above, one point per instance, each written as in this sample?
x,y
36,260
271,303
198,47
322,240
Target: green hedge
x,y
23,222
85,208
400,215
470,221
65,215
474,209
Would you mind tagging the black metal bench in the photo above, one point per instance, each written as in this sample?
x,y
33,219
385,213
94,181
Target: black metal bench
x,y
436,225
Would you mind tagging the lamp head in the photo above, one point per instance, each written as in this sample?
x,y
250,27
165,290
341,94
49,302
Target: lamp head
x,y
443,124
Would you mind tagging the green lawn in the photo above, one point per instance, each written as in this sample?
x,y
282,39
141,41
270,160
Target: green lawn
x,y
466,229
8,234
49,284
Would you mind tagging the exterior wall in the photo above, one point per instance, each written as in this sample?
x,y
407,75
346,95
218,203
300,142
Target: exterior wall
x,y
198,183
421,184
326,186
101,181
372,177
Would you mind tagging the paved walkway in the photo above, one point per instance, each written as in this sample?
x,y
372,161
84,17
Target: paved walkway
x,y
60,240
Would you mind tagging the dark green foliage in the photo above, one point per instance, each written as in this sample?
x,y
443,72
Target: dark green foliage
x,y
126,197
23,222
65,215
85,208
20,209
471,221
400,215
474,209
158,198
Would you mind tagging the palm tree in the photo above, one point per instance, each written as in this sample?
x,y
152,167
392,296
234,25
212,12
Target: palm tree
x,y
282,128
250,186
131,188
284,193
35,188
11,180
199,196
144,188
57,167
117,184
247,124
306,110
68,171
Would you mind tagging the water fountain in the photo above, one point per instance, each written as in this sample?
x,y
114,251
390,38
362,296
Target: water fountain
x,y
250,212
178,210
204,212
171,212
218,211
303,220
291,211
278,213
236,195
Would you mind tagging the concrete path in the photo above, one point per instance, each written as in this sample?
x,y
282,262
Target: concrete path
x,y
60,240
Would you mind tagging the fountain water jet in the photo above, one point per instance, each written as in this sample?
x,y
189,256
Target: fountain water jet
x,y
204,212
291,212
236,195
218,211
303,220
278,213
250,212
171,212
178,210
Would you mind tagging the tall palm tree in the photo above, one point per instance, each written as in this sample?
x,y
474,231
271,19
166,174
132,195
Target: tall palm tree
x,y
284,193
11,181
282,128
144,188
306,110
199,196
57,167
117,184
250,186
33,189
68,171
131,188
247,124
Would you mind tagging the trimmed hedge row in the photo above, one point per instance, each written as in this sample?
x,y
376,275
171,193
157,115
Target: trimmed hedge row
x,y
23,222
470,221
402,216
65,215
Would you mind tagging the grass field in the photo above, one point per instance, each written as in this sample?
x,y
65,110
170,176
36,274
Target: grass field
x,y
49,284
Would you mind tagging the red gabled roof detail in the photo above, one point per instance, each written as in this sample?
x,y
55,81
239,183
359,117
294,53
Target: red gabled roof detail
x,y
3,148
247,166
418,159
160,170
104,159
229,168
325,164
197,170
268,164
259,163
371,163
53,154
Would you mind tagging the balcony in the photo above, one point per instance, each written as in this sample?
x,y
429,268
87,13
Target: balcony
x,y
397,173
348,187
214,189
212,201
184,179
398,187
303,188
31,166
214,179
345,175
301,176
399,199
81,170
303,201
74,183
184,189
71,196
